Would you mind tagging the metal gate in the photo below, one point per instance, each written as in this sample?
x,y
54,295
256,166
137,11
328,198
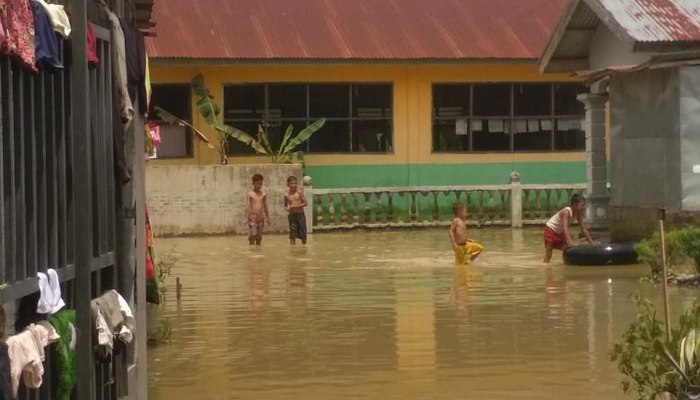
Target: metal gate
x,y
60,200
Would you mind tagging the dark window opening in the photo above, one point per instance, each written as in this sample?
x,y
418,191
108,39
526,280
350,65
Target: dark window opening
x,y
175,141
507,117
358,115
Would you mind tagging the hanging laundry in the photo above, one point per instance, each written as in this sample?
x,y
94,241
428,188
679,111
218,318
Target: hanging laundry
x,y
57,17
152,289
147,82
5,379
135,65
46,42
113,317
17,19
5,374
119,66
92,45
50,300
26,353
64,321
3,37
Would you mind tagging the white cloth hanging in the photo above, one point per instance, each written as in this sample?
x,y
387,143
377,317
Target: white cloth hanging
x,y
50,301
58,17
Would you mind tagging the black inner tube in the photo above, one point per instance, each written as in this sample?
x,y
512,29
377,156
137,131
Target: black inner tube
x,y
601,254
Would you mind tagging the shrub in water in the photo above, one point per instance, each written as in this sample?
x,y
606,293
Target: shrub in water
x,y
649,252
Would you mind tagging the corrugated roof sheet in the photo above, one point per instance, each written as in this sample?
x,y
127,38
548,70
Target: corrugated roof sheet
x,y
657,20
352,29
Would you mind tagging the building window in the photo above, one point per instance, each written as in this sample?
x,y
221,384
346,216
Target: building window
x,y
358,115
176,141
506,117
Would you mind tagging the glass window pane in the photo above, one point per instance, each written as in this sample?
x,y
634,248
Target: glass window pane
x,y
371,136
330,101
492,100
237,147
569,135
277,129
532,99
491,135
450,100
450,135
244,101
333,137
173,98
287,101
371,100
532,134
565,102
176,141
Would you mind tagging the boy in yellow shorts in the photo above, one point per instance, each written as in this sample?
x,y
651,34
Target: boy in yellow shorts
x,y
466,250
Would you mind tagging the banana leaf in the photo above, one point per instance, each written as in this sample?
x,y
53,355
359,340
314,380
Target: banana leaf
x,y
688,351
303,136
660,348
210,111
173,120
285,140
263,140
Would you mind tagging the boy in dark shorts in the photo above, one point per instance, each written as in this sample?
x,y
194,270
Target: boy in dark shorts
x,y
294,203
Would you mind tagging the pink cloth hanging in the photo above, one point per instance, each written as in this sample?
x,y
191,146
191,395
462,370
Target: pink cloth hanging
x,y
18,22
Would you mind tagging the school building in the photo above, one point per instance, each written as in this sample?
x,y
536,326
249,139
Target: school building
x,y
415,93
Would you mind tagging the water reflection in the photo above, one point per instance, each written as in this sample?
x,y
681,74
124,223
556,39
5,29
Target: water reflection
x,y
386,315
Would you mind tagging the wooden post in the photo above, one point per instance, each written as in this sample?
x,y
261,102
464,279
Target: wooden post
x,y
667,317
178,289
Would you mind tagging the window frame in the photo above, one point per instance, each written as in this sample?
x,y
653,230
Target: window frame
x,y
189,135
507,119
308,119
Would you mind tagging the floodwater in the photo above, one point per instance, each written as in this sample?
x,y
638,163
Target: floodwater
x,y
386,315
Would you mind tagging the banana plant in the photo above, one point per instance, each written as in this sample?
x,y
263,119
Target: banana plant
x,y
173,120
285,154
686,366
210,111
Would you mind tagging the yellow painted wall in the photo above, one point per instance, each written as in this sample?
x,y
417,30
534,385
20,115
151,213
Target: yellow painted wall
x,y
412,89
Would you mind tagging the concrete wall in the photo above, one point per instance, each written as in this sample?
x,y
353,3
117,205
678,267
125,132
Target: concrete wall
x,y
645,140
207,199
609,51
690,137
655,137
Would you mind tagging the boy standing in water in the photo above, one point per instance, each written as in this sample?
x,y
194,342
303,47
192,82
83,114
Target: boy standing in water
x,y
256,211
294,203
556,231
466,250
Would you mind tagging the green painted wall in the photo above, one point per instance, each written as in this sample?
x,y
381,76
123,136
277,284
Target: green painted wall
x,y
353,176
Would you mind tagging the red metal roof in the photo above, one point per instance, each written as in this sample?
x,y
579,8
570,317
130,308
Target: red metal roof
x,y
352,29
657,20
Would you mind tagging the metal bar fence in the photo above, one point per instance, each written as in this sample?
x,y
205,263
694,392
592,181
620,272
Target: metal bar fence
x,y
40,152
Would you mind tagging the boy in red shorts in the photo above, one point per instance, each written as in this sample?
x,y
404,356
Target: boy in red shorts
x,y
556,231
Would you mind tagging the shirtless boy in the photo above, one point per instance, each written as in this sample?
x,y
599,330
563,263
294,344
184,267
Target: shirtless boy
x,y
256,211
466,250
294,203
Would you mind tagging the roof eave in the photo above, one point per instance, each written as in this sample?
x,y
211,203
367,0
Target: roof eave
x,y
666,46
545,62
188,61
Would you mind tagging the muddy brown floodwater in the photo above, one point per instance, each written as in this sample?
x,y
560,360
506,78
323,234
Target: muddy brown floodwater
x,y
386,315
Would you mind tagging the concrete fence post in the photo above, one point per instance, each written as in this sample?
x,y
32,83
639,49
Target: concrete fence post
x,y
309,209
516,201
